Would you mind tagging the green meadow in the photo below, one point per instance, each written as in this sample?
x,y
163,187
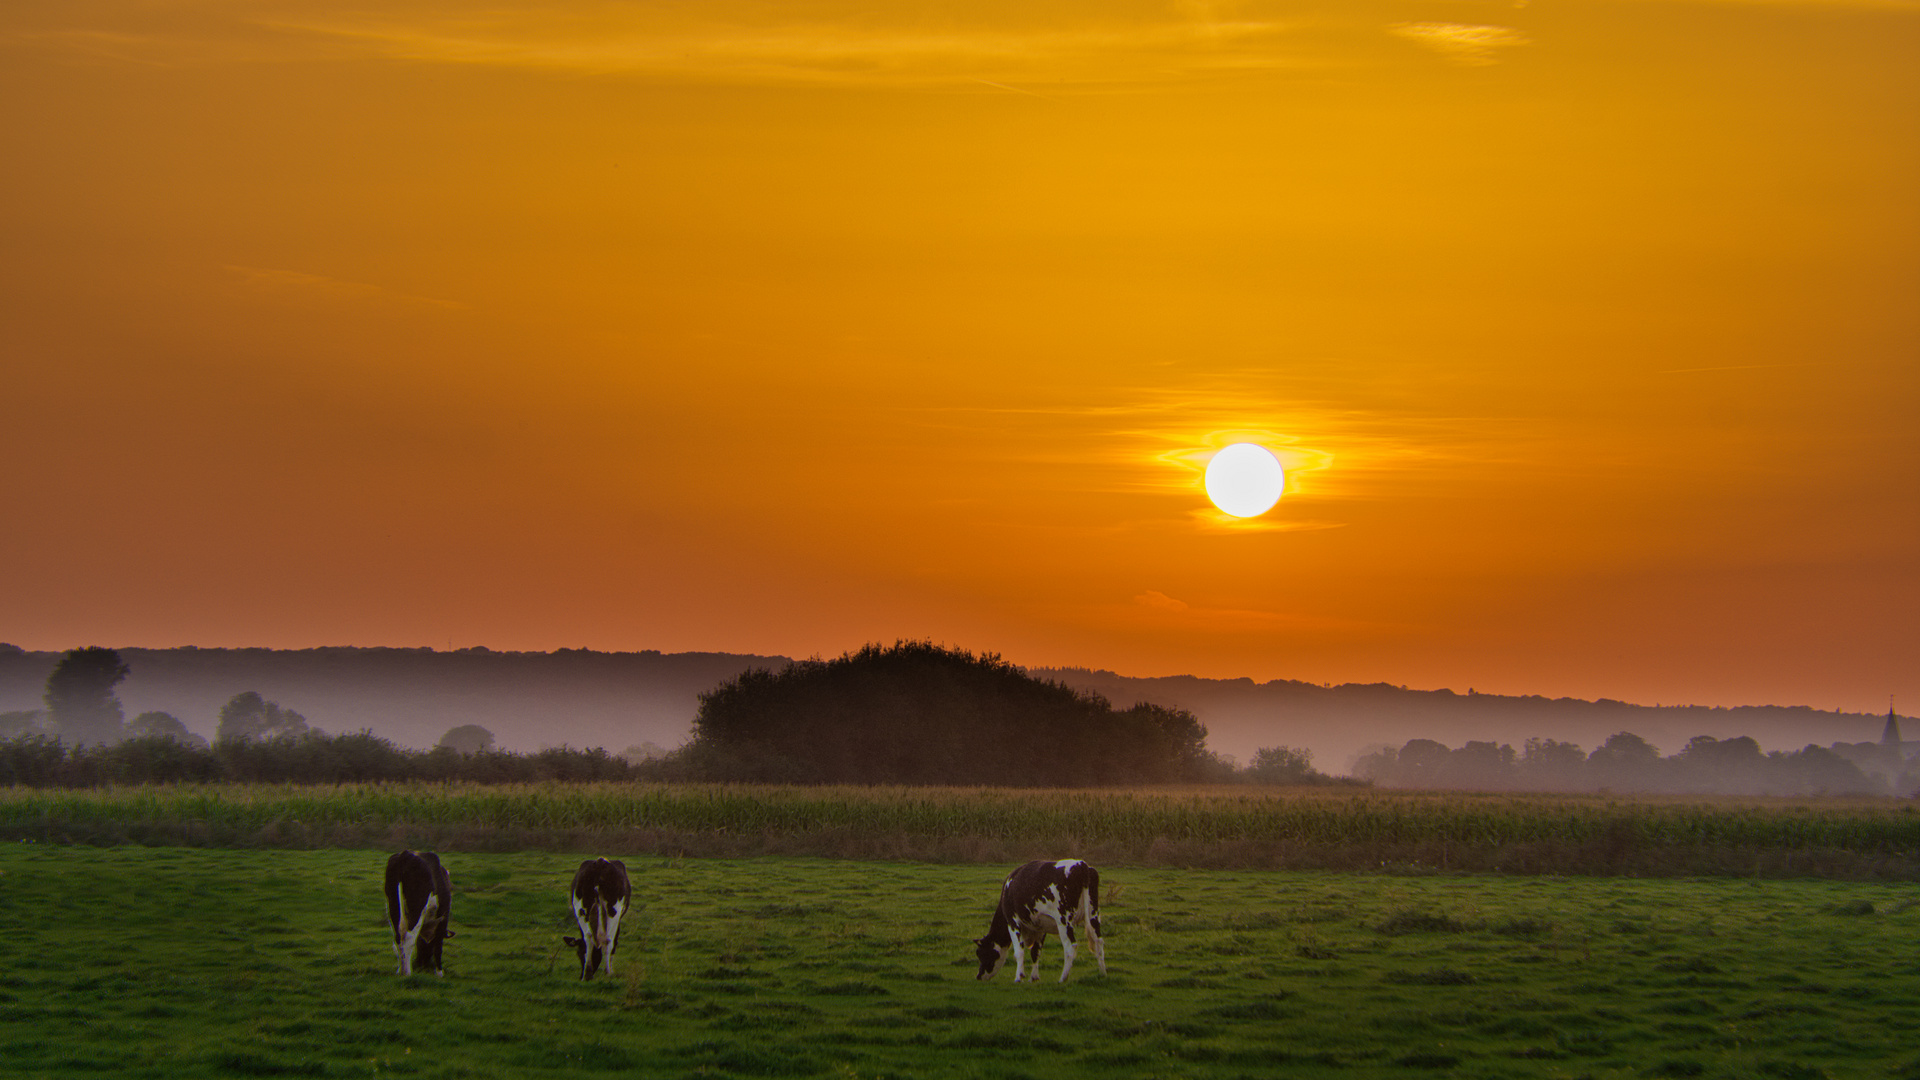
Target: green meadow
x,y
180,961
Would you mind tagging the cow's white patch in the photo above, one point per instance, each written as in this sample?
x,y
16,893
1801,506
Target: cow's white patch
x,y
407,934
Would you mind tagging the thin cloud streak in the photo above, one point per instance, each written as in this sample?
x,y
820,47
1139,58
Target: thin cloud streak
x,y
1462,43
1159,440
830,54
718,43
1725,367
303,287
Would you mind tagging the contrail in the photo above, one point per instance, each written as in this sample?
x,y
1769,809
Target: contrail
x,y
1014,89
1729,367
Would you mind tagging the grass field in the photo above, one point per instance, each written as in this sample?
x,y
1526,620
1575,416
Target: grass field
x,y
1224,827
166,962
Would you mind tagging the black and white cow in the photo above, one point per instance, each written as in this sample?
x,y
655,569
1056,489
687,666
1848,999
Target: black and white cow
x,y
419,903
601,894
1037,899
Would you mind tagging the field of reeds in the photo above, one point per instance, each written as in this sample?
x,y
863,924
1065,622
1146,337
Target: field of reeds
x,y
1217,827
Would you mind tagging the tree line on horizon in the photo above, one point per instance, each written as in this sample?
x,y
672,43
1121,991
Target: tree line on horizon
x,y
1628,763
913,713
82,740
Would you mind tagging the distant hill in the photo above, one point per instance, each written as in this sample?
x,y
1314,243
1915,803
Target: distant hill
x,y
1338,723
413,696
583,698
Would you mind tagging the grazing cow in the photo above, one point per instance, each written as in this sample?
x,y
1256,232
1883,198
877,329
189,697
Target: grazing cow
x,y
419,903
601,894
1038,899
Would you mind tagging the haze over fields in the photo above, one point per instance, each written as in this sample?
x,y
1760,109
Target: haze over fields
x,y
1587,333
622,700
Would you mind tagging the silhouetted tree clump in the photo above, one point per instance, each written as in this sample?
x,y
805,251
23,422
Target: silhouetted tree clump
x,y
1287,766
80,699
917,713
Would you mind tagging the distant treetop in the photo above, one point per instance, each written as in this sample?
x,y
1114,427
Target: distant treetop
x,y
467,739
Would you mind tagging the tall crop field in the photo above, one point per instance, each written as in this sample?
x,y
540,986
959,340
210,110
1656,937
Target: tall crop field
x,y
1214,827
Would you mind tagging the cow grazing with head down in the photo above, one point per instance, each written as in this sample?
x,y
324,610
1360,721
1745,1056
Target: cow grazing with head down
x,y
601,894
419,904
1037,899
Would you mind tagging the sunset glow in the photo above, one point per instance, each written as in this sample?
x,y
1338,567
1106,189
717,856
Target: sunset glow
x,y
1586,334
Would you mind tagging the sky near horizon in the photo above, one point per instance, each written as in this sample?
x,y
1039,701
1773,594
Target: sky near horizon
x,y
1589,333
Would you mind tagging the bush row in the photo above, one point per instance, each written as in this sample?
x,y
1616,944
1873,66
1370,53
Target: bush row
x,y
308,758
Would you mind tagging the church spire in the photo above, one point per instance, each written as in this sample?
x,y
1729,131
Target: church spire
x,y
1891,736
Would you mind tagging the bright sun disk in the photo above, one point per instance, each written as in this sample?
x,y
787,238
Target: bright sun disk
x,y
1245,480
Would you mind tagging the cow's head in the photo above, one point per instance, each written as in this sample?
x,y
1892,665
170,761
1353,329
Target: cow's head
x,y
580,949
991,955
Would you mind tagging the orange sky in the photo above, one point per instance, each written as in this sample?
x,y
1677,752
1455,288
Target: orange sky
x,y
1591,332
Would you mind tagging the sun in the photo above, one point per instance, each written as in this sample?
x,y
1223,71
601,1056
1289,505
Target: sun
x,y
1245,480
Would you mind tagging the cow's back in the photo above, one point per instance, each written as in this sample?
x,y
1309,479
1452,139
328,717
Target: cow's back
x,y
1069,879
602,880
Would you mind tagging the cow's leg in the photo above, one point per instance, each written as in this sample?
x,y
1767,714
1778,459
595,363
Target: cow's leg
x,y
1033,955
598,917
405,932
1019,953
585,924
1092,922
1065,927
613,935
409,943
399,922
426,953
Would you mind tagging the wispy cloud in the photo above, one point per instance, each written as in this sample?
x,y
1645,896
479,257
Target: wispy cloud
x,y
728,44
969,47
1151,445
1155,599
1462,43
979,47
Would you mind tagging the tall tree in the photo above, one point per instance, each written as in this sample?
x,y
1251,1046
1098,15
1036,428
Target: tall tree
x,y
80,699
